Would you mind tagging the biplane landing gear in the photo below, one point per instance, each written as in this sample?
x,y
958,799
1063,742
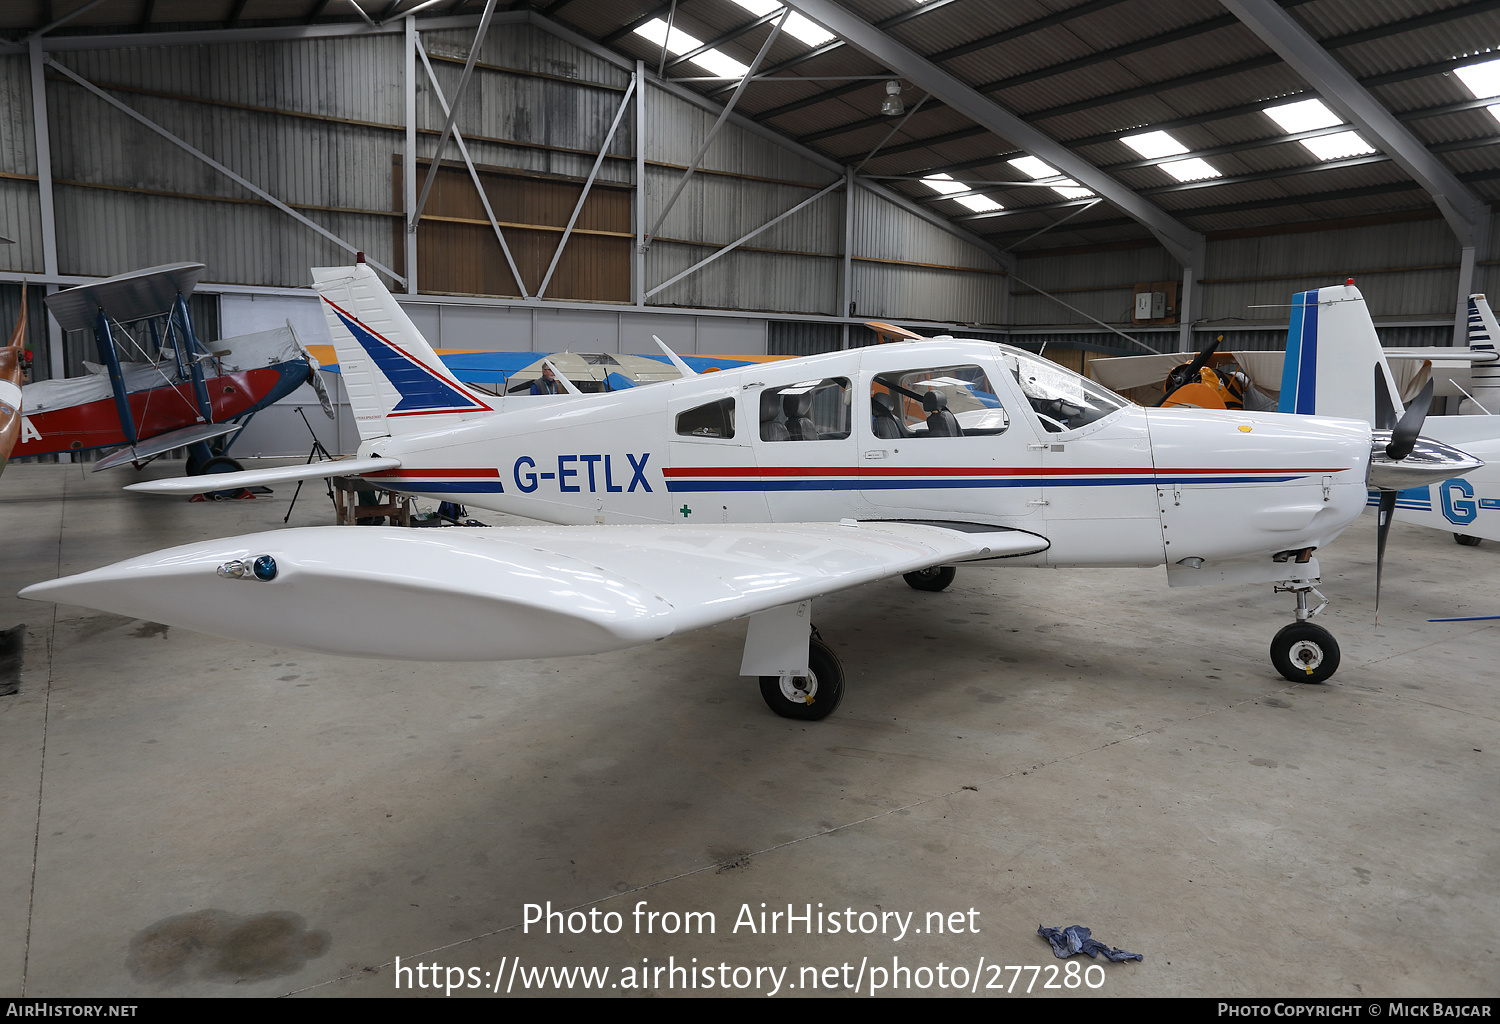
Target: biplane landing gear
x,y
808,697
1303,652
934,579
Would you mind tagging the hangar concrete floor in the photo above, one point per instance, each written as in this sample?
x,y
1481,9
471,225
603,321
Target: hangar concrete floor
x,y
185,815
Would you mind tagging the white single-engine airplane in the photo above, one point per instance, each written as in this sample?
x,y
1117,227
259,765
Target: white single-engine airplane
x,y
752,491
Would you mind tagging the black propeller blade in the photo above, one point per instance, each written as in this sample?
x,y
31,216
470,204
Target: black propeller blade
x,y
1382,530
1385,410
1186,374
1404,434
1403,439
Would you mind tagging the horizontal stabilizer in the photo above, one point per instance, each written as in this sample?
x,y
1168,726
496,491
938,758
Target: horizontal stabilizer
x,y
263,477
162,443
501,594
1437,353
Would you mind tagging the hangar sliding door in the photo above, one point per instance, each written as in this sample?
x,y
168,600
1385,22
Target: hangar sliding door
x,y
458,254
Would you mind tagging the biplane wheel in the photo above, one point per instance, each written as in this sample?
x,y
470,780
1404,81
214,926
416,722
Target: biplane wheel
x,y
1305,653
222,464
1466,540
934,579
808,697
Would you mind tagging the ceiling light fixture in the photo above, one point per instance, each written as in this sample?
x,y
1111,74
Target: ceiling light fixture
x,y
892,106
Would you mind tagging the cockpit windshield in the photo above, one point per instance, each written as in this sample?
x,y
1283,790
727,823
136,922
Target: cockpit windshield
x,y
1063,400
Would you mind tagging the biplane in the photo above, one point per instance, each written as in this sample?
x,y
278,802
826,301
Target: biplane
x,y
157,386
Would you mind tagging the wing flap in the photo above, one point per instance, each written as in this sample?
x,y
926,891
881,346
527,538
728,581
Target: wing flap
x,y
521,592
262,477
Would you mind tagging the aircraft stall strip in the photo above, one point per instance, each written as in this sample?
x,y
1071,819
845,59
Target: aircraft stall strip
x,y
749,493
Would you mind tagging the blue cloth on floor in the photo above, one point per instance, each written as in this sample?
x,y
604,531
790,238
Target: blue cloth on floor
x,y
1075,939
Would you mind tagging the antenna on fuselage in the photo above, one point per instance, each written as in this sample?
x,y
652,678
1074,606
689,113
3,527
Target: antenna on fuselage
x,y
682,368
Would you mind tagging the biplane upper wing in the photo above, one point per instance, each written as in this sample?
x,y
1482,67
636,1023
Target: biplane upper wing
x,y
517,592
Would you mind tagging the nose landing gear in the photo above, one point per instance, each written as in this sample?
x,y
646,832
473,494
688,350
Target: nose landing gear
x,y
1303,652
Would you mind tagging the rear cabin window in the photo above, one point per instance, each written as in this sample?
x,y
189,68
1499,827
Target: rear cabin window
x,y
716,419
812,410
938,401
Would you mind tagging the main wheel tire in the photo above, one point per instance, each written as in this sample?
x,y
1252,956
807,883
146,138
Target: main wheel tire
x,y
808,697
1466,540
222,464
934,579
1305,653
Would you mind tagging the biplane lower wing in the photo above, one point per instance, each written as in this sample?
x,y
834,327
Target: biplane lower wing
x,y
163,443
521,592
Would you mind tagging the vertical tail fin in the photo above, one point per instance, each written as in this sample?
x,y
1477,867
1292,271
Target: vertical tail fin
x,y
1484,334
395,381
1332,351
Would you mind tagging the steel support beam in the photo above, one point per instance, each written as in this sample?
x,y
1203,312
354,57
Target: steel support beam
x,y
458,98
846,289
484,200
263,34
638,211
409,158
1466,214
232,175
588,184
709,138
1180,240
726,250
42,136
43,144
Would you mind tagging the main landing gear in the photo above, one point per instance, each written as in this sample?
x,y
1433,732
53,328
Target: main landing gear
x,y
812,696
931,579
1302,651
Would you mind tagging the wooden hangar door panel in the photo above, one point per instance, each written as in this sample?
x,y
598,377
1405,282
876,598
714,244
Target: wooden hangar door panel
x,y
458,254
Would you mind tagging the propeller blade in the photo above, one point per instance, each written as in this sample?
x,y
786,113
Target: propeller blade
x,y
1385,410
1186,374
1383,529
1202,358
1404,434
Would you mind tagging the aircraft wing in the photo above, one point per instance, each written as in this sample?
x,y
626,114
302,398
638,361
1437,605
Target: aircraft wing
x,y
150,446
508,593
261,477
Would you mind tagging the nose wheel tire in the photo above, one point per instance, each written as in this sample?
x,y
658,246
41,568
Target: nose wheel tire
x,y
808,697
934,579
1305,653
1467,540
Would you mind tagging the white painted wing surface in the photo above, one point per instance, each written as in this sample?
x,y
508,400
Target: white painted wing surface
x,y
507,593
261,477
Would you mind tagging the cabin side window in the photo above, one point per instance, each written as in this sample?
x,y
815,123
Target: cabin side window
x,y
939,401
811,410
716,419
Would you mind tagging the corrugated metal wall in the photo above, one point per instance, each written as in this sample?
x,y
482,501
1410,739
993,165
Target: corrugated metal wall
x,y
883,231
20,207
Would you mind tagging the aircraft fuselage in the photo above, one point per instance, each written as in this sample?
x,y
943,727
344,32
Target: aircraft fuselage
x,y
1129,487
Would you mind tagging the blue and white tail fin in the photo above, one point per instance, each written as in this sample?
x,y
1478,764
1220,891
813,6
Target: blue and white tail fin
x,y
395,381
1484,334
1332,351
